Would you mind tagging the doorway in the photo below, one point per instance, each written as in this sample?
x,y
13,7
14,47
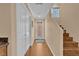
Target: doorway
x,y
40,31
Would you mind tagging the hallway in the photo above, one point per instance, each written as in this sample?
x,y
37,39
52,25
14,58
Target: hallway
x,y
39,49
34,23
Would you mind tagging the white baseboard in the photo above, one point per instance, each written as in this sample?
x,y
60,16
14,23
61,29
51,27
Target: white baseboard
x,y
27,49
50,48
32,42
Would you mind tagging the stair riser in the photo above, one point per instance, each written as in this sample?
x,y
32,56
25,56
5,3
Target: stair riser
x,y
65,35
64,31
70,44
71,52
68,39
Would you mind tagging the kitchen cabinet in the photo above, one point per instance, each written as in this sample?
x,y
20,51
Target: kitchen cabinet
x,y
3,49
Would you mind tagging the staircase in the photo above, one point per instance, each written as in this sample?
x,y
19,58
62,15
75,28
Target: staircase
x,y
70,47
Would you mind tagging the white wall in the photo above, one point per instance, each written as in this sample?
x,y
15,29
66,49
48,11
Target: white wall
x,y
23,23
4,20
54,36
8,26
70,19
5,25
12,49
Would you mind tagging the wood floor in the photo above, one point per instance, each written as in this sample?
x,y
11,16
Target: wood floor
x,y
39,49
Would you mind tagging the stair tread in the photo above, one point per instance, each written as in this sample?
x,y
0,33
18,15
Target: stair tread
x,y
71,48
66,33
70,42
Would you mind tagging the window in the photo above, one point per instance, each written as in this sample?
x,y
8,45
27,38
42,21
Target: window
x,y
55,12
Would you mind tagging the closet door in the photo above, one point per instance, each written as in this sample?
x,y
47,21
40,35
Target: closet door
x,y
28,31
20,30
23,29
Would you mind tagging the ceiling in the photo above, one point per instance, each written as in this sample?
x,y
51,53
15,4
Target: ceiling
x,y
39,10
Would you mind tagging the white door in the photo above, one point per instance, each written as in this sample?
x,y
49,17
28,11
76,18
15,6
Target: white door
x,y
23,29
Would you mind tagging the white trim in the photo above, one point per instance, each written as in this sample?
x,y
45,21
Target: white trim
x,y
50,48
27,49
3,36
32,42
27,8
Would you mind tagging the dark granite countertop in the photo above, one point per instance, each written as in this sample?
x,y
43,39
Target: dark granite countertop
x,y
3,41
